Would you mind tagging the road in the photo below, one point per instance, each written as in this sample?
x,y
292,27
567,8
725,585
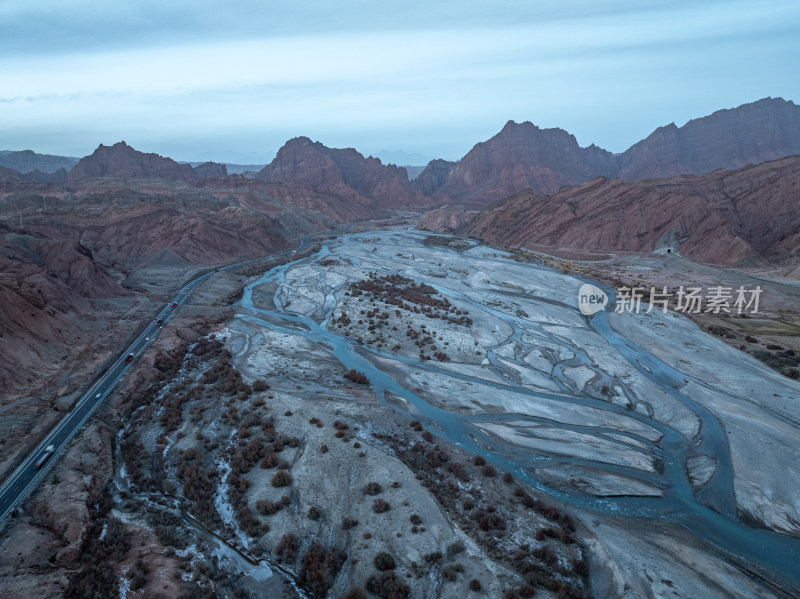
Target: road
x,y
27,476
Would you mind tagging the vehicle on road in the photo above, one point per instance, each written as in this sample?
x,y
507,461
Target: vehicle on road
x,y
129,359
160,322
98,396
175,305
48,451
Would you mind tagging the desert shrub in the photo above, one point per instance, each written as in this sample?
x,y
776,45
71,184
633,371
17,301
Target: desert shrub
x,y
526,591
270,460
387,586
435,557
319,566
324,448
372,488
97,577
458,471
286,549
380,506
455,548
507,478
478,460
384,561
449,574
427,436
260,385
357,377
348,523
355,593
314,513
281,479
474,585
266,507
415,519
488,470
491,522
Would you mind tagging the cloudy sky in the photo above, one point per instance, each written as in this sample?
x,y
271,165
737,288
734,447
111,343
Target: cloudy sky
x,y
232,81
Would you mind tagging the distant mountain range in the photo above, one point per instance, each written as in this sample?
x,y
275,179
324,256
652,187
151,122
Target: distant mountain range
x,y
521,156
25,161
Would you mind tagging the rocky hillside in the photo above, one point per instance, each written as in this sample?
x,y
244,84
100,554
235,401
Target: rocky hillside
x,y
446,219
523,156
747,216
342,172
752,133
123,162
81,268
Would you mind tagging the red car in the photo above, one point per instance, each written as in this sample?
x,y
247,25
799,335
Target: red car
x,y
129,359
175,305
160,322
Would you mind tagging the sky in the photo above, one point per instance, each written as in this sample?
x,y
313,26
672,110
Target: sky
x,y
404,81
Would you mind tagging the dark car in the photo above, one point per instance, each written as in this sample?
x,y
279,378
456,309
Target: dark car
x,y
160,322
129,359
175,305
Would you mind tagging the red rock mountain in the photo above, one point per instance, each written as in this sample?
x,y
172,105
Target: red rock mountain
x,y
523,156
747,216
121,161
765,130
446,219
343,172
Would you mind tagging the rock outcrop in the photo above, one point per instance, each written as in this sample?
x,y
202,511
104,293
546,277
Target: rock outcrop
x,y
446,219
521,156
121,161
343,172
725,217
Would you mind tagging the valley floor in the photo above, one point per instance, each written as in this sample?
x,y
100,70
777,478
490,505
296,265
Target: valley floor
x,y
400,414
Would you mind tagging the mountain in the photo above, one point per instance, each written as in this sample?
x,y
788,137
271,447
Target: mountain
x,y
343,172
523,156
25,161
747,216
30,180
765,130
121,161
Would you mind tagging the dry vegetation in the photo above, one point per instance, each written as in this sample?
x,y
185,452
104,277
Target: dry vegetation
x,y
390,320
488,509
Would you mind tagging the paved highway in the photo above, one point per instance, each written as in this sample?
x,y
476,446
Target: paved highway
x,y
26,476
